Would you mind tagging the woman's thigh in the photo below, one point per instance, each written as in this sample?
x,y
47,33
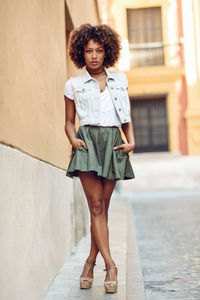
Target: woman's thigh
x,y
97,189
92,186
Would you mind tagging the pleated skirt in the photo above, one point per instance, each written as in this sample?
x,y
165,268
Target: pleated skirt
x,y
100,156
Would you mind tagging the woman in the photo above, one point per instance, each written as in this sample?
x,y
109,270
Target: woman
x,y
99,155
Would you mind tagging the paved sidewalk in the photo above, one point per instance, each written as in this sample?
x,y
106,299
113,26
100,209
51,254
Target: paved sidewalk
x,y
66,283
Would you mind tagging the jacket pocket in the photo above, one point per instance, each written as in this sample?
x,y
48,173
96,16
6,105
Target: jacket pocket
x,y
82,97
122,95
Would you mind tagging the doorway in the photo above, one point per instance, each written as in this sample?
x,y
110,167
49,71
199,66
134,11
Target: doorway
x,y
150,124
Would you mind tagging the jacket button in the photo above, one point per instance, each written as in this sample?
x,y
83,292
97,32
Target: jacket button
x,y
124,120
111,88
115,98
119,109
83,89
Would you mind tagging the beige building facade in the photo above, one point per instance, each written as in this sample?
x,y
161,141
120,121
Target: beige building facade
x,y
161,59
191,33
42,214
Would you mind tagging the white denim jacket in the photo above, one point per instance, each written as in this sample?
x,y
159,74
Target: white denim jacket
x,y
86,96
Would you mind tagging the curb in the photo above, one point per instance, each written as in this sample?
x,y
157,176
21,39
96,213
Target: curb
x,y
134,278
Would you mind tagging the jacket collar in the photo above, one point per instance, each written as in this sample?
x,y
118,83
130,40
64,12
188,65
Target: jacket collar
x,y
87,77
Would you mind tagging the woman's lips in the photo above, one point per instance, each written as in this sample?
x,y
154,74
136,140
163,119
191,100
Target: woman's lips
x,y
94,62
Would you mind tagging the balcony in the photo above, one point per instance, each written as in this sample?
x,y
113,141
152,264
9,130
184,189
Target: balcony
x,y
155,54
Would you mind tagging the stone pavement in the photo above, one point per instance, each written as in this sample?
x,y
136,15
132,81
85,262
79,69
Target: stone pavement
x,y
168,232
124,251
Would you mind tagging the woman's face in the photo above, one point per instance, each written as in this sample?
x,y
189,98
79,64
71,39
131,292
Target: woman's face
x,y
94,55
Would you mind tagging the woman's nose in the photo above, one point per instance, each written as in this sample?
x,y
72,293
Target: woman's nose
x,y
94,55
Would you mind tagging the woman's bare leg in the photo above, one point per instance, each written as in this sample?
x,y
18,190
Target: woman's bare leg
x,y
98,192
108,187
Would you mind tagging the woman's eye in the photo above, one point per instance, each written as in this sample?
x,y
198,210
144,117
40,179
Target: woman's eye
x,y
90,51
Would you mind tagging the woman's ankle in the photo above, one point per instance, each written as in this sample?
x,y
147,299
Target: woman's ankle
x,y
110,263
91,260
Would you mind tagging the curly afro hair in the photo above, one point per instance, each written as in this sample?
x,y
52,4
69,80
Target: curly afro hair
x,y
103,34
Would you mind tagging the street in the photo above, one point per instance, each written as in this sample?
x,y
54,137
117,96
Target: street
x,y
168,233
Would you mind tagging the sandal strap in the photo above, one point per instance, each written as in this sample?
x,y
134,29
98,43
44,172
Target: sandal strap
x,y
108,268
90,264
110,274
114,282
90,280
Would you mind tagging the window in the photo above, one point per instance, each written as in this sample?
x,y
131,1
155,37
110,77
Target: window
x,y
145,36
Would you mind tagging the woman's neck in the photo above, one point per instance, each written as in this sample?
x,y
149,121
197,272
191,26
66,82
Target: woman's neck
x,y
96,72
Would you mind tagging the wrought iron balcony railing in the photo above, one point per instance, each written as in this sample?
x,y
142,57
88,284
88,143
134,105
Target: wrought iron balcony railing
x,y
156,53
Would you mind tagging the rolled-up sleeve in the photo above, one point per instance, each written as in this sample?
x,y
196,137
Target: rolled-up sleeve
x,y
68,91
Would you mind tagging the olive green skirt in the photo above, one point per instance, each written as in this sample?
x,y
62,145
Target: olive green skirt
x,y
100,157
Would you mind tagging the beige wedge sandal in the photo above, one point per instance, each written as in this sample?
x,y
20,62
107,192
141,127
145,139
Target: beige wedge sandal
x,y
110,285
86,282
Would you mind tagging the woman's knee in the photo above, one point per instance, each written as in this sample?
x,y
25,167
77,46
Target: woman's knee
x,y
97,206
106,201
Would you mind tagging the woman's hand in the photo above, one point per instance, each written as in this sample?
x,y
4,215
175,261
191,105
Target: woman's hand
x,y
76,143
127,147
